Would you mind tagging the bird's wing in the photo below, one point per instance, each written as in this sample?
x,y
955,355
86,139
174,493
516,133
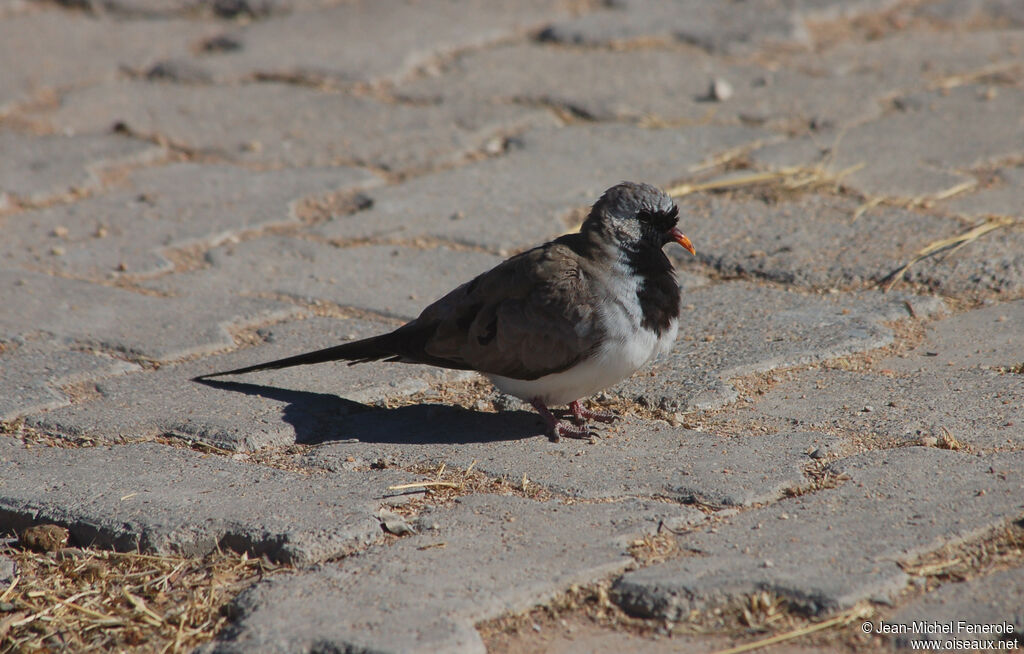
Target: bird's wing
x,y
530,316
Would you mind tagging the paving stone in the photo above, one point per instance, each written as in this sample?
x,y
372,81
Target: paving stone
x,y
991,266
32,370
916,61
897,161
127,231
36,169
560,169
238,9
736,329
159,328
369,41
644,85
13,7
277,124
958,380
183,502
1001,13
1004,198
816,241
830,549
574,635
43,50
269,409
845,85
393,280
638,460
979,408
715,27
992,600
820,242
500,554
8,570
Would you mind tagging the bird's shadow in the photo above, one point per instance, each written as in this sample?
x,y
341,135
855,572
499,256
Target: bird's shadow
x,y
322,417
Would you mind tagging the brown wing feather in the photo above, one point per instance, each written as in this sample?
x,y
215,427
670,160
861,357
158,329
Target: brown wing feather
x,y
528,317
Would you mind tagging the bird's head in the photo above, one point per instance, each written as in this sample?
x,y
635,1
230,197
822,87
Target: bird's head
x,y
633,215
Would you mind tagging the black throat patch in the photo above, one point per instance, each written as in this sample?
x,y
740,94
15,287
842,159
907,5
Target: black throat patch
x,y
658,291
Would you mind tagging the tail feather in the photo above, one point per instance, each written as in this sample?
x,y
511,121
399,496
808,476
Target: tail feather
x,y
367,349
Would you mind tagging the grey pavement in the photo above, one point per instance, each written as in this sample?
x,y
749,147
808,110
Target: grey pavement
x,y
189,186
511,202
831,549
107,235
212,504
37,170
279,124
958,380
889,161
484,556
989,600
828,242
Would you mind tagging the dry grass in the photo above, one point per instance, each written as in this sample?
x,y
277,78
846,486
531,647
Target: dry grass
x,y
91,600
762,619
998,549
820,477
655,548
949,245
591,603
775,609
475,392
872,26
784,182
446,484
769,617
32,437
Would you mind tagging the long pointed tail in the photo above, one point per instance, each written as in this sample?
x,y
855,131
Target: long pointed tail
x,y
368,349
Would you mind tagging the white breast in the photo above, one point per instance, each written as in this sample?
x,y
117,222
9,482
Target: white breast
x,y
627,346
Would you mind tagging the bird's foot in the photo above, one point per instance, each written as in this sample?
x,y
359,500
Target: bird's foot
x,y
580,414
558,428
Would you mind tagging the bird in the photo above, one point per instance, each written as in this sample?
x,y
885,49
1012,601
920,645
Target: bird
x,y
556,323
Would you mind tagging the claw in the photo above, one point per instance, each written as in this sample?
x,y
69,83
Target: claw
x,y
572,431
581,414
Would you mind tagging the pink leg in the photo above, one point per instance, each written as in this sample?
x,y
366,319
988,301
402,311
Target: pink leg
x,y
557,427
581,414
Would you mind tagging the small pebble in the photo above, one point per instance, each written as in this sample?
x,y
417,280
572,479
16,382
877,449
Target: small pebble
x,y
720,90
494,146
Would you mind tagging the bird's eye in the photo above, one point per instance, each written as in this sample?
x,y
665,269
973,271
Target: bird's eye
x,y
660,220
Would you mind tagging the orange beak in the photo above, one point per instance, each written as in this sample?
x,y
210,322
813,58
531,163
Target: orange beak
x,y
681,239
